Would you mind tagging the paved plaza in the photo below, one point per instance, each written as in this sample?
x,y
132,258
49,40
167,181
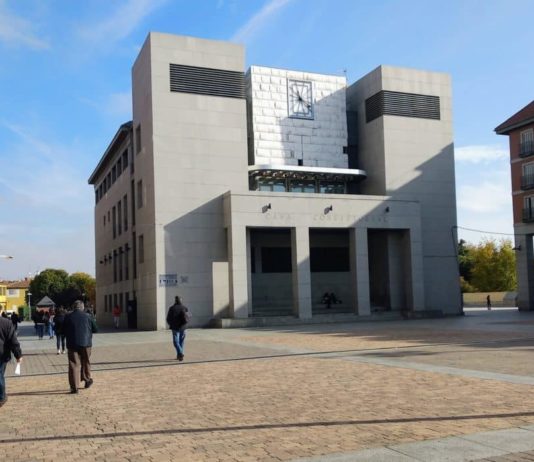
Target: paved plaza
x,y
448,389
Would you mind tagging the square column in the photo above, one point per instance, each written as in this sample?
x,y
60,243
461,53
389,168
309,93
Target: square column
x,y
238,274
359,270
300,260
417,270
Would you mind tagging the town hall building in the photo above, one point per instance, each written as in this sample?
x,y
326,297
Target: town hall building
x,y
273,195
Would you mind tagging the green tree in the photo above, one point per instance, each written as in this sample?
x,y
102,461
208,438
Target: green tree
x,y
465,260
83,285
50,282
493,266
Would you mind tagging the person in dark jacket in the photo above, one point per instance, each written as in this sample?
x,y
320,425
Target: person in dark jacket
x,y
177,317
78,328
15,320
40,323
59,320
8,345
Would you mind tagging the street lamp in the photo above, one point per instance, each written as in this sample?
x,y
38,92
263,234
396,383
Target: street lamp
x,y
29,299
7,257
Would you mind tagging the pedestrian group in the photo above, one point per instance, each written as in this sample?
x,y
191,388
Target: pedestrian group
x,y
75,329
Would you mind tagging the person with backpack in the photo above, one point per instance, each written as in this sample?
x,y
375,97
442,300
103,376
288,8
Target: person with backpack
x,y
178,317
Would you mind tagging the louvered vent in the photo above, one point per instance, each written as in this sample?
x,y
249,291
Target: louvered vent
x,y
206,81
401,104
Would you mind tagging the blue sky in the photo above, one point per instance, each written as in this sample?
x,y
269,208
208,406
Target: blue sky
x,y
65,88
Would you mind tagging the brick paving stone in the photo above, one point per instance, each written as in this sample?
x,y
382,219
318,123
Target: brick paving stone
x,y
216,406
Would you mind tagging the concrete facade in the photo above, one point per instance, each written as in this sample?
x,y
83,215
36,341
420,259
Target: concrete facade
x,y
361,209
413,158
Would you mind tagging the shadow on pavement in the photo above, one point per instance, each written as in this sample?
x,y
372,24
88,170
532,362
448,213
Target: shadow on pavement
x,y
40,392
380,351
172,431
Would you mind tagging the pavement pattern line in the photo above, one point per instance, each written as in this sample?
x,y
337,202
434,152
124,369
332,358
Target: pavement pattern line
x,y
283,351
470,447
517,379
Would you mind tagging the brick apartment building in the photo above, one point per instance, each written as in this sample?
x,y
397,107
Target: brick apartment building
x,y
520,130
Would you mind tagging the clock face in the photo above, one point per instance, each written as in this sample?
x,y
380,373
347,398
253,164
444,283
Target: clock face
x,y
299,99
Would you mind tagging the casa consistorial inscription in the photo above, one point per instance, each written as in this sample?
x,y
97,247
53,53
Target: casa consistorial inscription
x,y
328,218
278,216
349,218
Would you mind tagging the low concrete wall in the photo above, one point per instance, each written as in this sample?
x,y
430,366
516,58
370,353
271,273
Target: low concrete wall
x,y
476,299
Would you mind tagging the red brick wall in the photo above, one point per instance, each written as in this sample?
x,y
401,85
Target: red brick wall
x,y
516,172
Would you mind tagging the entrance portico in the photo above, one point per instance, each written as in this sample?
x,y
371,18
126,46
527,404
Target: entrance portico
x,y
285,251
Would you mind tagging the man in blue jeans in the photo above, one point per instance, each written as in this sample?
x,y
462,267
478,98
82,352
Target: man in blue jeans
x,y
8,344
177,318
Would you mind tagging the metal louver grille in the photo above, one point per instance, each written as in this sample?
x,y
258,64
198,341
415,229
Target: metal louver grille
x,y
402,104
206,81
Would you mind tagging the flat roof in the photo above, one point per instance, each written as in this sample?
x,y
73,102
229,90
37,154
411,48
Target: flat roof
x,y
122,132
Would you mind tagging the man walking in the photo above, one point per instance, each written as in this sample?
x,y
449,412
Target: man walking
x,y
78,329
177,318
15,320
8,344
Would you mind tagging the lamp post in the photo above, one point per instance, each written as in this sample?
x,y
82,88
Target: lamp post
x,y
30,305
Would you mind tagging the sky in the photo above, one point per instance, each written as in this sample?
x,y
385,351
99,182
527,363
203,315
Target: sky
x,y
65,85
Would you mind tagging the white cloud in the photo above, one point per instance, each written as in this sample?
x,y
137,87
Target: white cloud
x,y
480,154
17,31
43,174
121,23
484,197
254,24
47,202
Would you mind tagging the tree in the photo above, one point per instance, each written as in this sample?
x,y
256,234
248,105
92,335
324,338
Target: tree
x,y
83,285
50,282
62,288
493,266
465,260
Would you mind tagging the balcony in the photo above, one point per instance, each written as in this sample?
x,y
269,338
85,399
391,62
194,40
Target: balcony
x,y
527,181
526,148
528,215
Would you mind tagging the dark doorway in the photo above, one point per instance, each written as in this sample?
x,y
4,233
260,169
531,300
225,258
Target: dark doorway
x,y
330,271
271,272
390,270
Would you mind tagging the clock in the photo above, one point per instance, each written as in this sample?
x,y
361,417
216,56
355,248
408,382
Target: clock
x,y
299,99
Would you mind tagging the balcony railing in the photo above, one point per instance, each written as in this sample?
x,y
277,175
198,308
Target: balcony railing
x,y
527,181
526,148
528,215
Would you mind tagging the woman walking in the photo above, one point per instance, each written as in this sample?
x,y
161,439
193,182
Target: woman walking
x,y
59,319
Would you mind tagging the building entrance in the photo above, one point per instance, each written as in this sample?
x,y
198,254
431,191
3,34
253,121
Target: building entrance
x,y
390,270
271,272
330,271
